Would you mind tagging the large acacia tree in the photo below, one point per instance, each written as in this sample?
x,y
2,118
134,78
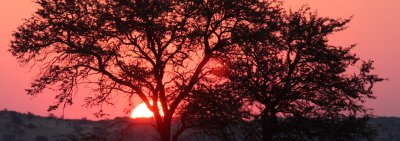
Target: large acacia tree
x,y
305,88
154,49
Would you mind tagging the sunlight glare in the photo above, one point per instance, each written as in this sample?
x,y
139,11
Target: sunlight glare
x,y
141,111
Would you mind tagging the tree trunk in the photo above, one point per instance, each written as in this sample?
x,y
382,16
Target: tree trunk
x,y
164,129
269,125
165,135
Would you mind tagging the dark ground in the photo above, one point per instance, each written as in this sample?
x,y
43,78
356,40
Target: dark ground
x,y
16,126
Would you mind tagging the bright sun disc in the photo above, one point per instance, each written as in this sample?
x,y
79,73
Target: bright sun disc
x,y
141,111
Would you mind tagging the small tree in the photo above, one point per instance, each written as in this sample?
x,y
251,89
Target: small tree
x,y
306,89
154,49
214,110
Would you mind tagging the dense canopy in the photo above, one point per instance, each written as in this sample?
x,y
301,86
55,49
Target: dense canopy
x,y
182,52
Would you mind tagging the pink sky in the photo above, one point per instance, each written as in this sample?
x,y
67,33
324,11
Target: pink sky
x,y
375,27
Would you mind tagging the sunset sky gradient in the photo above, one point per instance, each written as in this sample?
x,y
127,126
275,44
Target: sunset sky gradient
x,y
375,28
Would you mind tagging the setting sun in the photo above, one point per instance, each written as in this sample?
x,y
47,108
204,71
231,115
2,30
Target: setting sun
x,y
141,111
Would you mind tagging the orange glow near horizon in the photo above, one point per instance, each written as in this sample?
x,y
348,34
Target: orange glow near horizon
x,y
374,27
141,111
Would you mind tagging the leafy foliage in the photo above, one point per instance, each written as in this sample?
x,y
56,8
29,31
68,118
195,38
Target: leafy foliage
x,y
153,49
209,59
304,88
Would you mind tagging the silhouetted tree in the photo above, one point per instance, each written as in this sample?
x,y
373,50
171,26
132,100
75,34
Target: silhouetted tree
x,y
154,49
214,110
305,88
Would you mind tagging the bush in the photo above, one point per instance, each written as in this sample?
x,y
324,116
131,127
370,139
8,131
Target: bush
x,y
15,118
30,116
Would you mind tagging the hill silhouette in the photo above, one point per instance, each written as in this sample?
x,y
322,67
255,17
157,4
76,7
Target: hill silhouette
x,y
15,126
